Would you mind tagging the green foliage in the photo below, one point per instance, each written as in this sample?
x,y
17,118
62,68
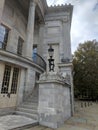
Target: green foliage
x,y
85,62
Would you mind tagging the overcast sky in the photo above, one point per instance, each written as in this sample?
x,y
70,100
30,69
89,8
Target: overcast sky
x,y
84,21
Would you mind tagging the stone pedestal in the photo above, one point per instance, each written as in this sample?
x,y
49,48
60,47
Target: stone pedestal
x,y
54,100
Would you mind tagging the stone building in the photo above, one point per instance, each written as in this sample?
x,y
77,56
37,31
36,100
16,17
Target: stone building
x,y
27,29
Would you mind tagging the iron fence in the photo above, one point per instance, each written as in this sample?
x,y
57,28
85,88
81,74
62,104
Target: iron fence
x,y
2,45
39,60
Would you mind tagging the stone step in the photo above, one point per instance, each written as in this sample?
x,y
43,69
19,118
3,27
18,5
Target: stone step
x,y
33,100
34,107
27,110
30,103
34,94
33,97
33,116
16,122
25,127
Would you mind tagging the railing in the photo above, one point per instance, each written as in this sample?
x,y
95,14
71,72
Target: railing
x,y
2,45
39,60
80,105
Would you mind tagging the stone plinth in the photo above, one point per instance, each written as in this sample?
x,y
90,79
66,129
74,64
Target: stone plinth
x,y
54,100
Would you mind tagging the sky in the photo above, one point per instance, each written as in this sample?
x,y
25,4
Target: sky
x,y
84,21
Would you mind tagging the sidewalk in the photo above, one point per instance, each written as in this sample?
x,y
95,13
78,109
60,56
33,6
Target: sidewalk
x,y
84,119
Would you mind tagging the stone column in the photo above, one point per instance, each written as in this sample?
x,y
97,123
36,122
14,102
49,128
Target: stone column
x,y
1,8
30,30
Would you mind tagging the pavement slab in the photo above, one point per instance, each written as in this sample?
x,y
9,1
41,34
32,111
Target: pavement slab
x,y
11,122
83,119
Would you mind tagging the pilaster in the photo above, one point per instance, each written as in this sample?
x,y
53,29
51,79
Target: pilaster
x,y
66,38
41,36
66,69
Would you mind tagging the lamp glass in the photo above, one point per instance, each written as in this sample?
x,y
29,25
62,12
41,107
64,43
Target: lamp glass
x,y
51,51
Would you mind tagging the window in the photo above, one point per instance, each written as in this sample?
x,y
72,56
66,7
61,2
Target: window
x,y
3,36
10,80
34,52
20,45
35,49
6,79
14,80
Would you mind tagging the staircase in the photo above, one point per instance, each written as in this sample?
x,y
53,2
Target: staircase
x,y
29,107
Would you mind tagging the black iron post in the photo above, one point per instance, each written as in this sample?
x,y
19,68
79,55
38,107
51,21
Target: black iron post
x,y
51,60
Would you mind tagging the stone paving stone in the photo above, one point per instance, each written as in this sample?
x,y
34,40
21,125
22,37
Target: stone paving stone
x,y
69,127
38,128
84,119
14,121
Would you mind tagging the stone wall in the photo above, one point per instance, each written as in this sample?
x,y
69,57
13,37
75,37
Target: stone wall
x,y
57,33
1,8
66,69
14,19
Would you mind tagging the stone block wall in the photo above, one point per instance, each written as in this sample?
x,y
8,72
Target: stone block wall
x,y
54,101
66,69
1,8
13,18
56,32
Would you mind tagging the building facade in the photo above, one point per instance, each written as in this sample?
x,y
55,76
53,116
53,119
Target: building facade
x,y
27,29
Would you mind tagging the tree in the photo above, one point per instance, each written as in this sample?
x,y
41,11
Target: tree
x,y
85,62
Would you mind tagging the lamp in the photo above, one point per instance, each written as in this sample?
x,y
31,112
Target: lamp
x,y
51,61
51,51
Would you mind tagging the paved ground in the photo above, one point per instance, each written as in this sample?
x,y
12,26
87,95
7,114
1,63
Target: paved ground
x,y
84,119
10,122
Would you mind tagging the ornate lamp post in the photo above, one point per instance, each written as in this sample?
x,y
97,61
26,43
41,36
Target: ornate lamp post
x,y
51,61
